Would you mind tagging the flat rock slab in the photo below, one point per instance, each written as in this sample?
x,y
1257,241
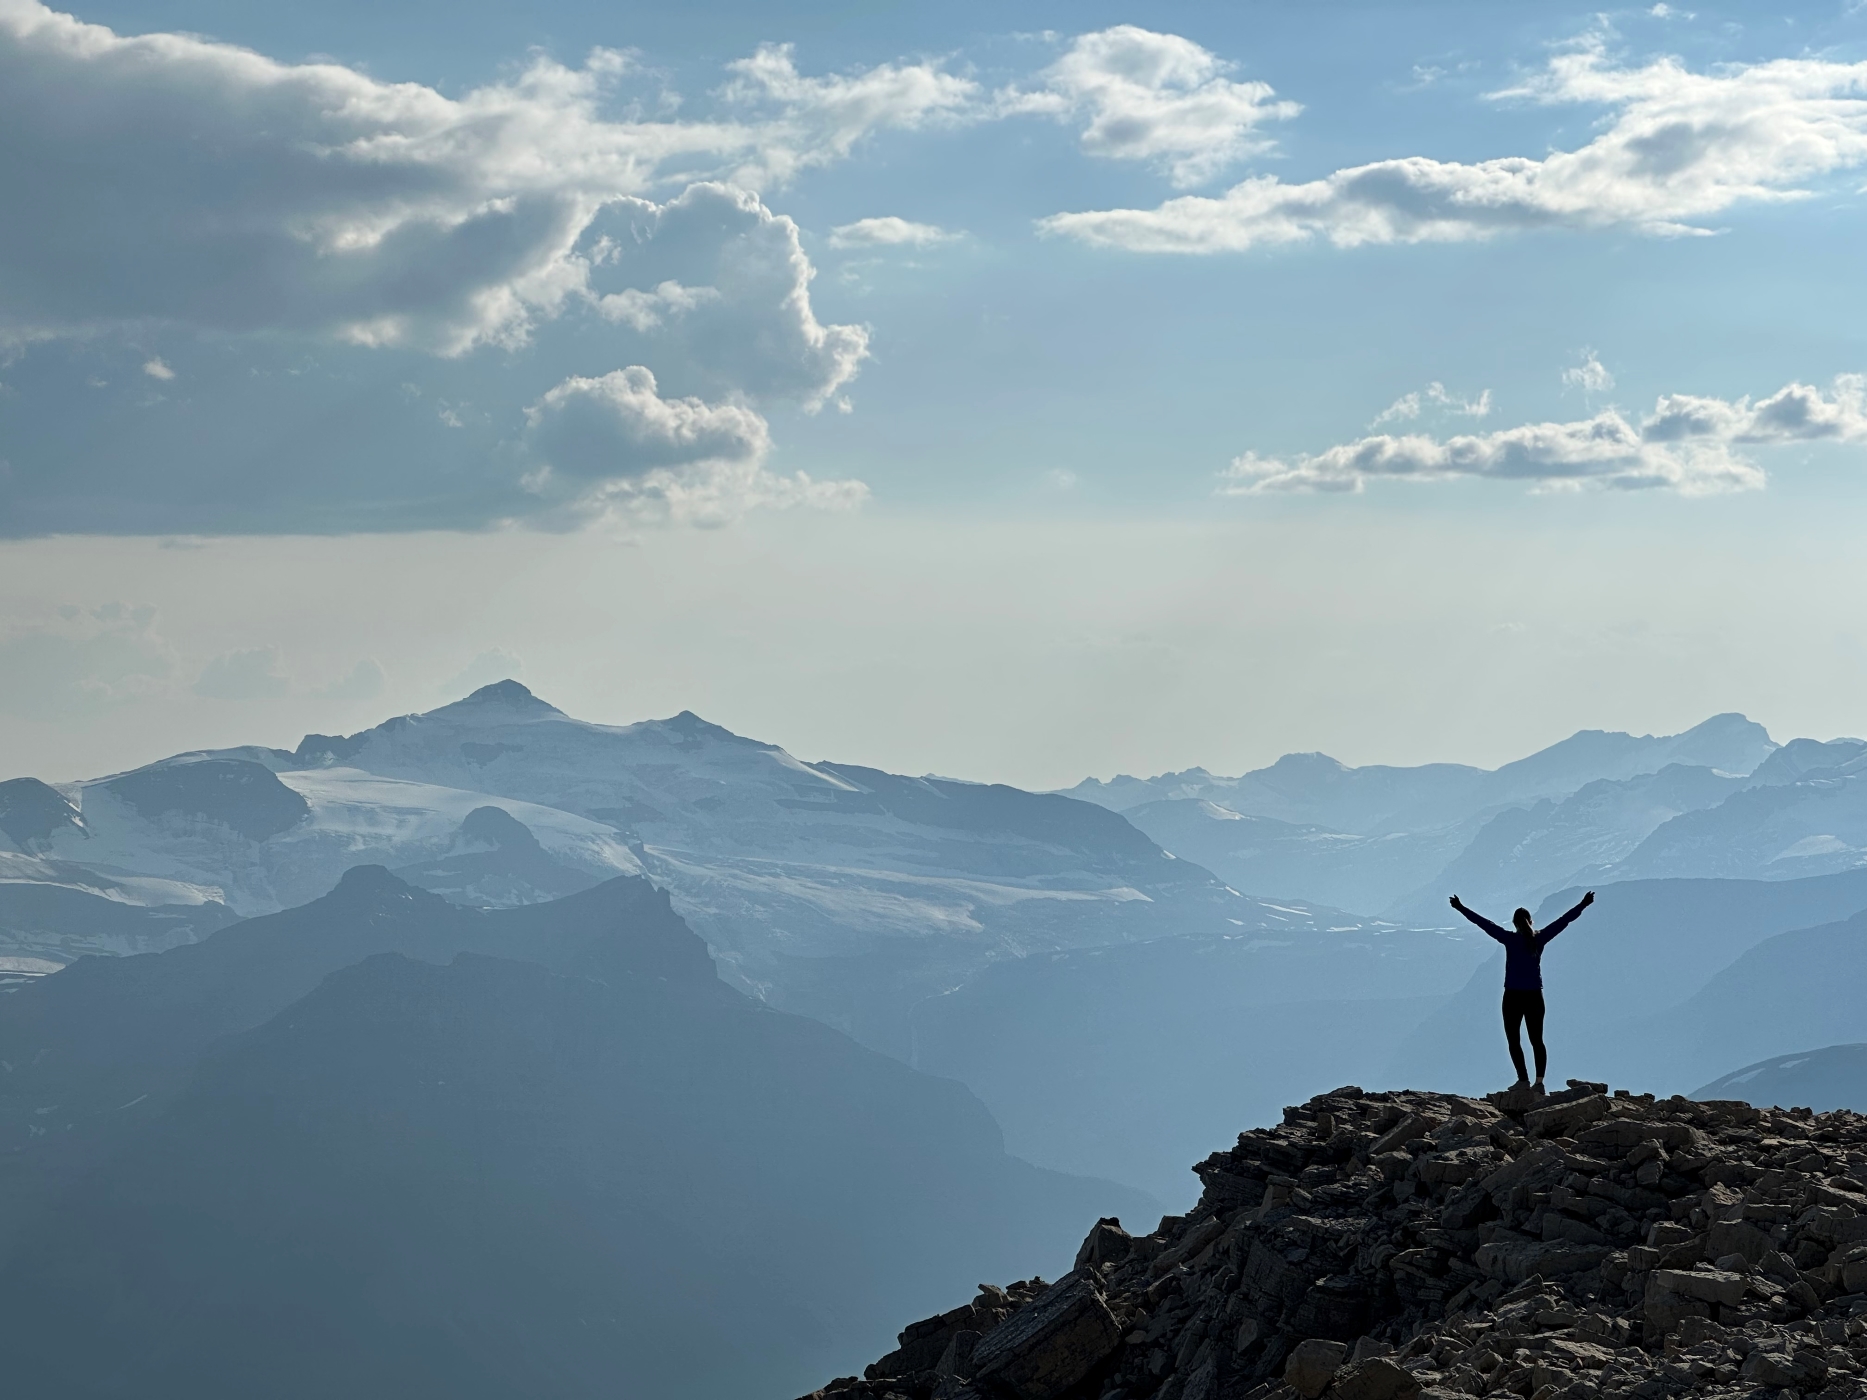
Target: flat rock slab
x,y
1046,1349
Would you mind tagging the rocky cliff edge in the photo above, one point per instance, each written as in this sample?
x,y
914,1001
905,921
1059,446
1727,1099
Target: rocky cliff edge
x,y
1417,1246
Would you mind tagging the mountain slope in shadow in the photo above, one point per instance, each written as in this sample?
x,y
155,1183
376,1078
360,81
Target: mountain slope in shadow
x,y
309,1157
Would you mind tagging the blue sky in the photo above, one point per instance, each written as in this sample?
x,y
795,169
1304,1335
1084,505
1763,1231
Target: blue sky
x,y
1118,389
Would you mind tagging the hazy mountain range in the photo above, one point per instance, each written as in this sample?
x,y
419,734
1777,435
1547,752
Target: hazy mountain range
x,y
1721,799
1069,956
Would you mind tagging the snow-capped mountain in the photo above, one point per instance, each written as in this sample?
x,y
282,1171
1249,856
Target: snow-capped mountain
x,y
840,891
261,833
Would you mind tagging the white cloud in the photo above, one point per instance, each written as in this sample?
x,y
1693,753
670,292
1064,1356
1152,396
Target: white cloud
x,y
167,179
1679,147
1435,396
650,310
167,186
1687,444
812,121
1154,97
613,443
888,231
250,674
721,285
1590,376
80,662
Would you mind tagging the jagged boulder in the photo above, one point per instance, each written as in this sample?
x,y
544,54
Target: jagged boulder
x,y
1587,1245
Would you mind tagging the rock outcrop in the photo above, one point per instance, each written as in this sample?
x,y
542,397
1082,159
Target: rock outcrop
x,y
1409,1246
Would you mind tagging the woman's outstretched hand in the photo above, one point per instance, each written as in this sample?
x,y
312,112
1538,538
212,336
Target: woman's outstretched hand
x,y
1587,899
1457,905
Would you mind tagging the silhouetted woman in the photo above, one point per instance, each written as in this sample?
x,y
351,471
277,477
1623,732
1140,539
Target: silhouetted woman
x,y
1523,978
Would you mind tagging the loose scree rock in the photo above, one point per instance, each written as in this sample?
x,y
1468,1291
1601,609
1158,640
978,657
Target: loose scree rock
x,y
1410,1246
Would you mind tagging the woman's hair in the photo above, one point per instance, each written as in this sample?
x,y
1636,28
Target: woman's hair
x,y
1522,919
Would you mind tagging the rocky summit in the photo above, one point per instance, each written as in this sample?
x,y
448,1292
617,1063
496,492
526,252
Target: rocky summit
x,y
1406,1246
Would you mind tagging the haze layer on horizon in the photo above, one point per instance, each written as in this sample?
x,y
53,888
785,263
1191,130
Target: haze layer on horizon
x,y
1016,397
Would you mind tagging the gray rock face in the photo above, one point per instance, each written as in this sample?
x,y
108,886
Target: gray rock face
x,y
1732,1255
1045,1350
243,796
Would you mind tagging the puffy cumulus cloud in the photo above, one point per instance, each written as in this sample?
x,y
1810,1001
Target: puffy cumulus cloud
x,y
249,674
721,285
888,231
1687,444
614,444
1153,97
1680,147
1795,413
168,179
306,244
81,662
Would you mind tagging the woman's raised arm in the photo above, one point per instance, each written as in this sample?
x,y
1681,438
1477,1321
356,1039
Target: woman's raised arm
x,y
1482,921
1569,917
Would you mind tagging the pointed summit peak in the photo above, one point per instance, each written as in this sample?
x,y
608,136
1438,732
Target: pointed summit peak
x,y
506,698
694,730
506,692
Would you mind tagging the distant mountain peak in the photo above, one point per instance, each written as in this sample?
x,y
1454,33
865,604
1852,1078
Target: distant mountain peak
x,y
376,885
31,811
693,729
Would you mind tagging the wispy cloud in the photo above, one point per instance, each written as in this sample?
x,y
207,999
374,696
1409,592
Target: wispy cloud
x,y
888,231
1687,443
1680,147
1590,376
1434,398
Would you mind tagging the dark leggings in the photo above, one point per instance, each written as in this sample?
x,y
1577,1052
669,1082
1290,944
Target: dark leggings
x,y
1521,1006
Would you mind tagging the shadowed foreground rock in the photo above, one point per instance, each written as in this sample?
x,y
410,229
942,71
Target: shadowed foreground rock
x,y
1409,1246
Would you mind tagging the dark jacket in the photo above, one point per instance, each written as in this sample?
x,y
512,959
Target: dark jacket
x,y
1523,957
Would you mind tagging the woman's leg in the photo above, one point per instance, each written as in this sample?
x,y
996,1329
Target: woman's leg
x,y
1533,1013
1513,1023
